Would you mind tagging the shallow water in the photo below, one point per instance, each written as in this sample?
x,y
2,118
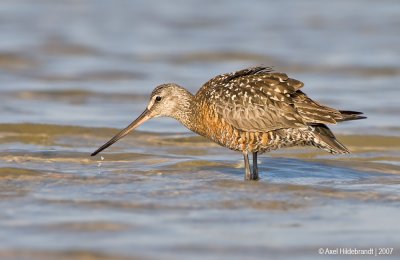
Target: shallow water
x,y
74,73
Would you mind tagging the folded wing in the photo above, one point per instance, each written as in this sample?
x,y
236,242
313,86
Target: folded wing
x,y
260,100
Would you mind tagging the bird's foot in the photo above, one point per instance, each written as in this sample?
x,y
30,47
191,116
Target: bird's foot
x,y
251,176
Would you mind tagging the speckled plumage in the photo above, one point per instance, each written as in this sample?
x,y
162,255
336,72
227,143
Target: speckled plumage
x,y
254,110
258,110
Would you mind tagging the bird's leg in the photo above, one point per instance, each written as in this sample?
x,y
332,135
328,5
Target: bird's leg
x,y
247,175
254,176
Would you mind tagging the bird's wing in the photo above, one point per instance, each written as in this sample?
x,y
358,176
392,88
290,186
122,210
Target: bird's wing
x,y
314,113
255,99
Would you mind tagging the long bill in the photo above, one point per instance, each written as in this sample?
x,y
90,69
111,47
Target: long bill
x,y
138,121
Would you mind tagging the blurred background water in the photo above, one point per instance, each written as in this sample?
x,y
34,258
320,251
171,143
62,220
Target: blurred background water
x,y
72,72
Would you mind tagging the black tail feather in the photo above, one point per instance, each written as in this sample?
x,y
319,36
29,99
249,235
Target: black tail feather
x,y
350,115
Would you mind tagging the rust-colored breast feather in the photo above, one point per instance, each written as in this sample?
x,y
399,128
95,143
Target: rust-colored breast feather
x,y
216,128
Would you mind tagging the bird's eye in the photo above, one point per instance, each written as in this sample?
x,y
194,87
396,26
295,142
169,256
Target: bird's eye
x,y
158,98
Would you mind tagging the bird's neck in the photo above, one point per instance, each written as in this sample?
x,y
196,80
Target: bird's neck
x,y
186,111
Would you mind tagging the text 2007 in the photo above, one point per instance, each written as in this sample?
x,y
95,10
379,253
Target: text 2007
x,y
385,251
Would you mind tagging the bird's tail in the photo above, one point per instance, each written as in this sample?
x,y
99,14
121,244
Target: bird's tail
x,y
349,115
324,139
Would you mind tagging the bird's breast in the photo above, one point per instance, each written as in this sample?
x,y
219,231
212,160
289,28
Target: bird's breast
x,y
212,125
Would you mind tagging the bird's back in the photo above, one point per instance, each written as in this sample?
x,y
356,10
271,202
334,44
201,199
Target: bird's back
x,y
258,100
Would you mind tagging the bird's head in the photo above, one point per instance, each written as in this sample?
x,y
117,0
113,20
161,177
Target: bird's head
x,y
169,100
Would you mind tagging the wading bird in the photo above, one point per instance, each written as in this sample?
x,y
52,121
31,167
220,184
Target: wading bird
x,y
253,110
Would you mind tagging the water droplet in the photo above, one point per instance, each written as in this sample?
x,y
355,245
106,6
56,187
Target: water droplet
x,y
99,164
